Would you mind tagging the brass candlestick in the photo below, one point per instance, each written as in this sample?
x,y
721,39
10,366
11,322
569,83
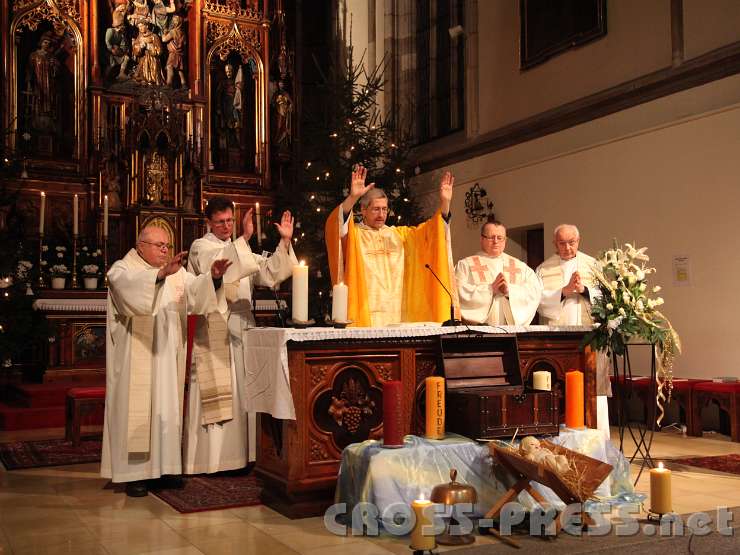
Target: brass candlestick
x,y
74,261
42,284
105,260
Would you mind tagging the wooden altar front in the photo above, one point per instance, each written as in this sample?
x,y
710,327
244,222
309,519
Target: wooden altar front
x,y
336,386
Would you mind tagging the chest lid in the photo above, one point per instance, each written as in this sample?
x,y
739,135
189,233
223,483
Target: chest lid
x,y
480,360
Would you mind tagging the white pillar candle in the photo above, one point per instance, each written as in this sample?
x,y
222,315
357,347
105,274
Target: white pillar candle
x,y
42,213
541,380
300,292
105,216
235,223
75,214
339,294
259,224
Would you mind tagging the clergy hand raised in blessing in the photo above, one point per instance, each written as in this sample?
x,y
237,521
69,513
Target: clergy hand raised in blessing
x,y
172,266
248,225
285,227
499,285
219,267
445,192
357,187
574,286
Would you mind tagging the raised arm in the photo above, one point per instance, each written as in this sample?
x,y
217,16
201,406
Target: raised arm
x,y
357,188
445,193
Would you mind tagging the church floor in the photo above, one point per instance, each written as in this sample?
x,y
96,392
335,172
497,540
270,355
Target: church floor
x,y
65,510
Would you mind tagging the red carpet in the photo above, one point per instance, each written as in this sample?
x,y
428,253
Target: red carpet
x,y
721,463
210,493
52,452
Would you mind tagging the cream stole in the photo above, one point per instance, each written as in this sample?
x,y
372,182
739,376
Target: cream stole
x,y
212,357
553,278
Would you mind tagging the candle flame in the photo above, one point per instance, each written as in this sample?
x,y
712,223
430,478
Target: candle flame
x,y
302,263
43,194
660,465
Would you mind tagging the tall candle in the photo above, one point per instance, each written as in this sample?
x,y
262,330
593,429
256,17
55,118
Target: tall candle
x,y
419,540
300,292
660,490
435,400
259,224
541,380
236,221
42,213
105,216
75,214
392,414
339,294
574,399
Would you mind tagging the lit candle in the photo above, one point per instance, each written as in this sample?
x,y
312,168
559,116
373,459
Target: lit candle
x,y
300,292
75,214
42,213
259,224
339,294
105,216
660,490
236,220
574,399
435,400
423,519
541,380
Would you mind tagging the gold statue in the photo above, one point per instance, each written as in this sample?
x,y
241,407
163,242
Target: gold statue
x,y
147,50
156,178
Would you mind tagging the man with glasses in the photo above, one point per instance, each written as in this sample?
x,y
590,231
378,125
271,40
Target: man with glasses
x,y
220,433
569,286
495,288
149,297
385,267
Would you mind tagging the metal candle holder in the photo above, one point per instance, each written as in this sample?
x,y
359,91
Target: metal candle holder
x,y
74,261
105,260
42,284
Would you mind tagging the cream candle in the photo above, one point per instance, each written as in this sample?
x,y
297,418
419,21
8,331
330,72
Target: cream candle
x,y
75,215
541,380
419,540
235,223
339,295
300,292
259,224
42,213
105,216
660,490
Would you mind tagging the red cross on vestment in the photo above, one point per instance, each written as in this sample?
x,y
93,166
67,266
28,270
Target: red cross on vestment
x,y
512,270
479,268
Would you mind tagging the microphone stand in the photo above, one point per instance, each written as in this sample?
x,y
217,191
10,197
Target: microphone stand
x,y
278,302
452,321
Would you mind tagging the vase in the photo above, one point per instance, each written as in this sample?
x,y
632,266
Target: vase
x,y
91,282
58,282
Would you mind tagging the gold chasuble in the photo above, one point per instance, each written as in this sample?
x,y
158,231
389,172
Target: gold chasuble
x,y
385,274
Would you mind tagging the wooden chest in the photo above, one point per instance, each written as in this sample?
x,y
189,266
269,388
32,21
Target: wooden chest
x,y
486,397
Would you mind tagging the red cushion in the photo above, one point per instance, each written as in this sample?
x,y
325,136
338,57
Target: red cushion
x,y
718,387
95,392
682,384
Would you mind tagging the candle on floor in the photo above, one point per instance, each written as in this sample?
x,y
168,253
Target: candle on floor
x,y
541,380
419,540
392,414
300,292
339,294
574,399
42,213
660,490
435,411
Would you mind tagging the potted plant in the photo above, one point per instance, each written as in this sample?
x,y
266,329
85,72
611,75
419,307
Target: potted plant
x,y
90,266
58,269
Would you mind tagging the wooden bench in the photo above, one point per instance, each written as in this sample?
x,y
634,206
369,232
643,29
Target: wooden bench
x,y
81,402
726,395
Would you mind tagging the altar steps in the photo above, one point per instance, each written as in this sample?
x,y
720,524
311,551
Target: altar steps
x,y
33,406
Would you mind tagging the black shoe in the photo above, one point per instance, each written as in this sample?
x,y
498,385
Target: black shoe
x,y
171,482
136,489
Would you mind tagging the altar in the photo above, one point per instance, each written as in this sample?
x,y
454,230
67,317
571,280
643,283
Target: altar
x,y
320,389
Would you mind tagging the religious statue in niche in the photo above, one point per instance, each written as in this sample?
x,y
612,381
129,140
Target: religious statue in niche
x,y
161,13
111,181
175,40
190,184
119,47
283,119
147,49
140,13
156,173
42,85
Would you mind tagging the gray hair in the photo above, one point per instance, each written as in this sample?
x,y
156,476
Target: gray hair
x,y
563,227
370,196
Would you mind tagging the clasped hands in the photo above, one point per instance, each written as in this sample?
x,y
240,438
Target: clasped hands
x,y
500,285
574,286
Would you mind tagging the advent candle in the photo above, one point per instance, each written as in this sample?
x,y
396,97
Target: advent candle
x,y
541,380
419,540
75,214
660,490
435,399
259,224
105,216
42,213
574,399
339,294
300,292
392,412
236,219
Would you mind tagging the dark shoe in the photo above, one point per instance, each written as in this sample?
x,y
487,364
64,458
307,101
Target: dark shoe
x,y
136,489
171,482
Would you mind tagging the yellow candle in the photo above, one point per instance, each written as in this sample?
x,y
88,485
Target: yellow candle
x,y
339,295
105,216
419,540
42,213
300,292
660,490
541,380
435,399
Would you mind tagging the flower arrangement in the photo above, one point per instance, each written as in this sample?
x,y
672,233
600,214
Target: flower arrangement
x,y
626,309
55,261
89,260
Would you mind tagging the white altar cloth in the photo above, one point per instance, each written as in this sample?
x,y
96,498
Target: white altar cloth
x,y
267,387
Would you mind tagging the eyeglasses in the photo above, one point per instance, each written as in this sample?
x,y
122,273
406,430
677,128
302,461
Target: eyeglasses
x,y
496,238
227,221
379,210
159,245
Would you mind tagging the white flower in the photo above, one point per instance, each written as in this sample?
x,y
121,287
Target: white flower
x,y
659,301
622,311
44,263
640,274
90,269
631,279
614,284
84,249
609,306
614,324
626,296
657,288
60,255
45,248
639,306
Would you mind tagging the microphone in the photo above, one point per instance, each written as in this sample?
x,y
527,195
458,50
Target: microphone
x,y
452,321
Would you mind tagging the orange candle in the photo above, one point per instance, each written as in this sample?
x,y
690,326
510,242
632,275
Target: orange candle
x,y
574,399
435,423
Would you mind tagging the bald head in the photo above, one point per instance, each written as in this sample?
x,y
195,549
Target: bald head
x,y
566,239
153,246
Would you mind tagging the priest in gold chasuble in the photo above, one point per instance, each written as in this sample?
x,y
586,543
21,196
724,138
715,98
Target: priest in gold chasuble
x,y
384,266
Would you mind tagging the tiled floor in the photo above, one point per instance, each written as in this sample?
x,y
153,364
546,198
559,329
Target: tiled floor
x,y
65,510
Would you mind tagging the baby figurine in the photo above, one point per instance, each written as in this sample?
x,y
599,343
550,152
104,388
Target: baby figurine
x,y
530,449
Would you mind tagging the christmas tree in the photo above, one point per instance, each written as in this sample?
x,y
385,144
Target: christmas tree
x,y
350,131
